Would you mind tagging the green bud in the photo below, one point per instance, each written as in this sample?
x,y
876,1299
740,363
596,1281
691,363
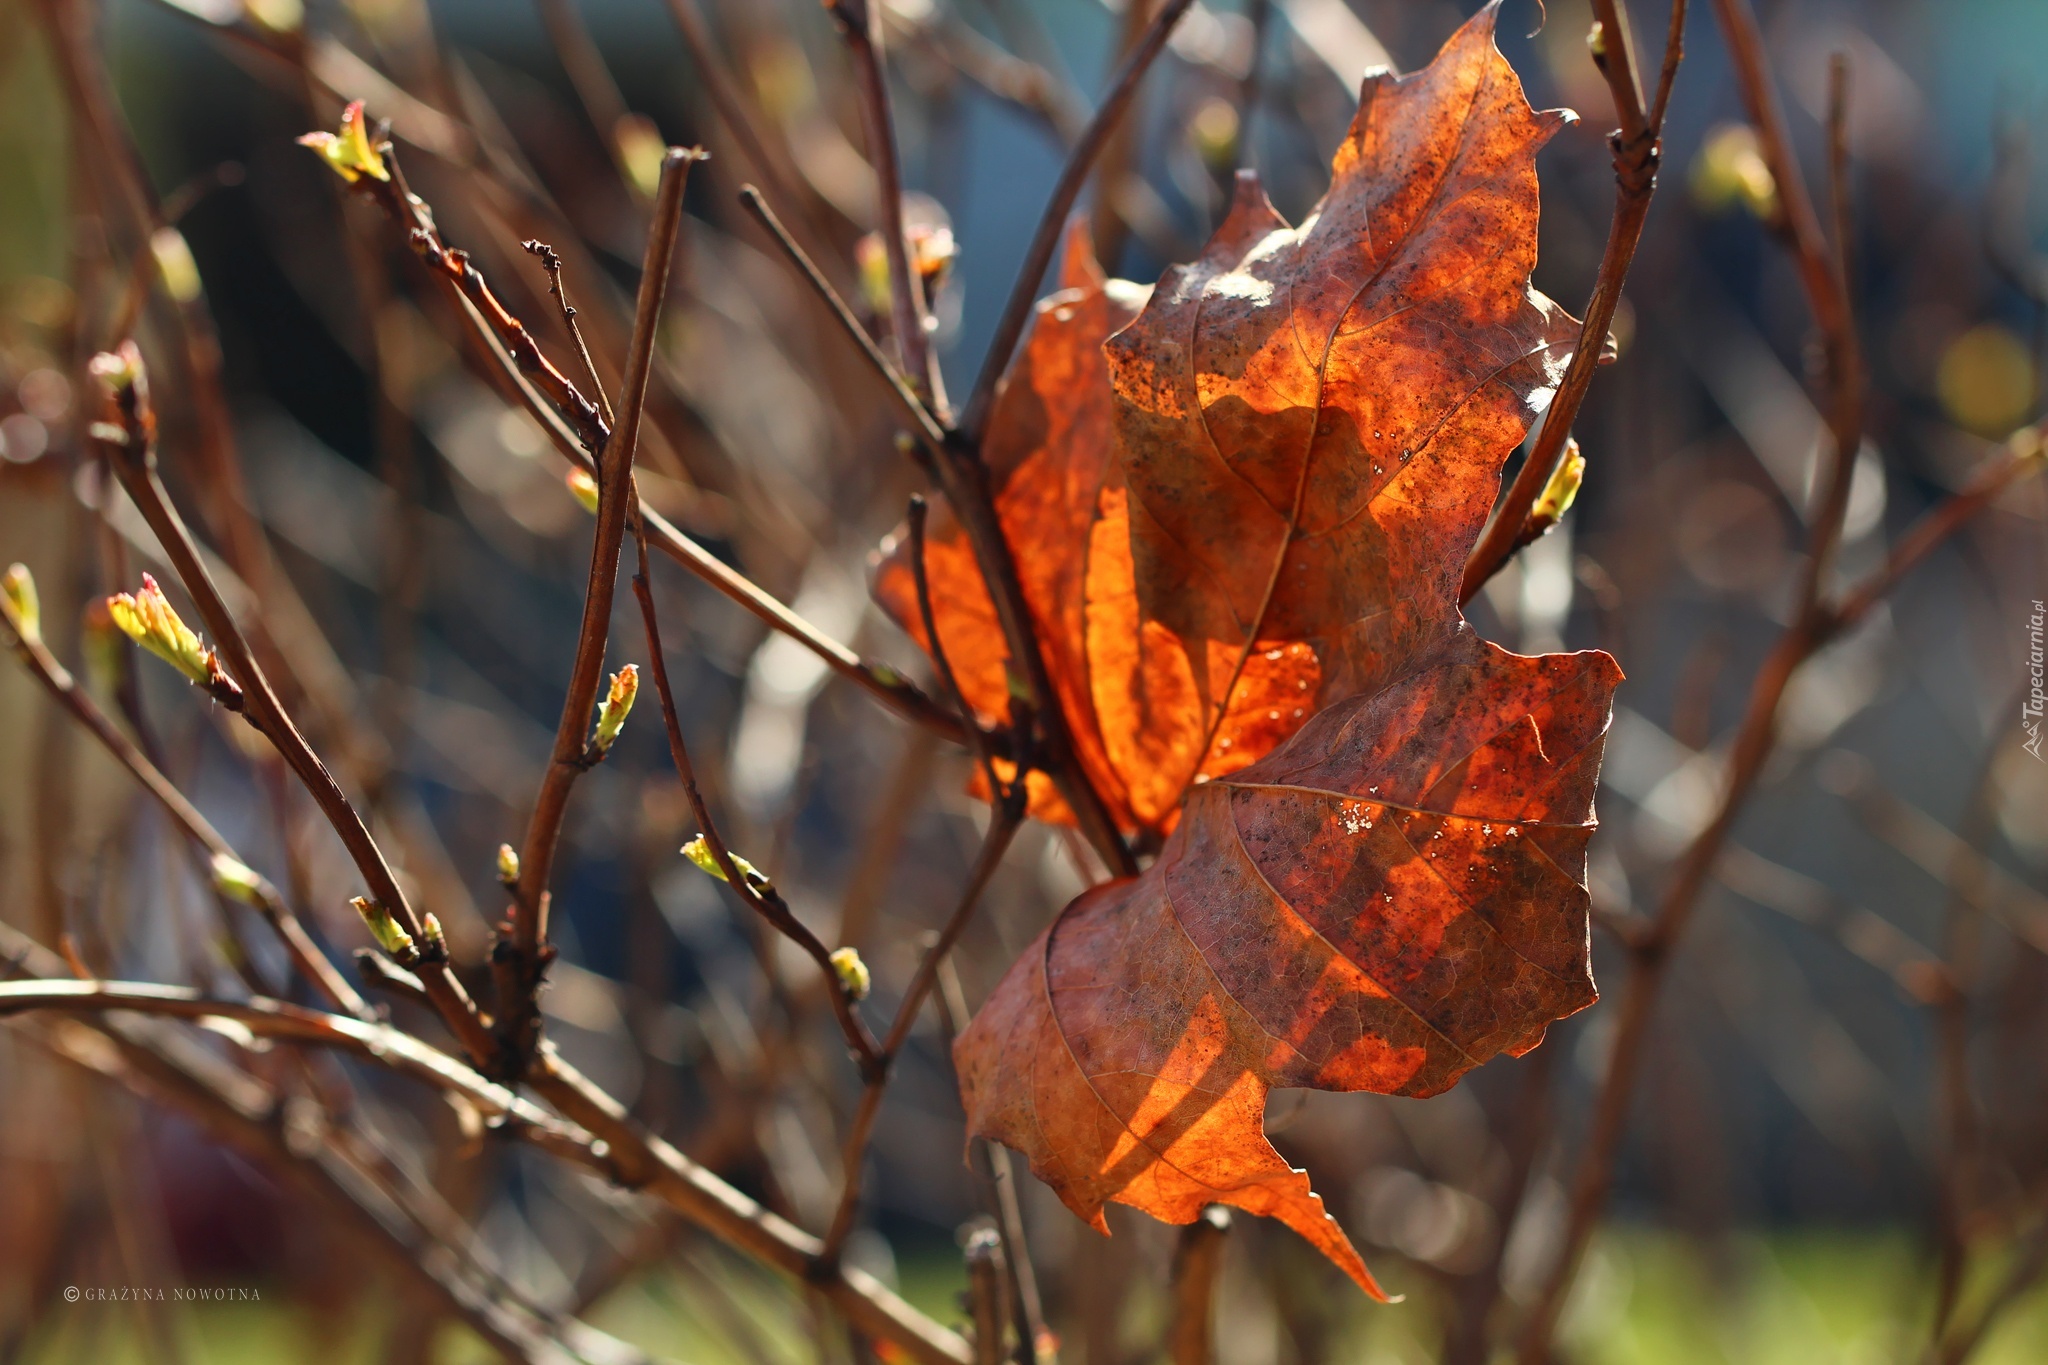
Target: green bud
x,y
616,706
24,608
237,880
148,618
1563,488
852,972
437,941
699,852
390,937
583,488
349,152
508,865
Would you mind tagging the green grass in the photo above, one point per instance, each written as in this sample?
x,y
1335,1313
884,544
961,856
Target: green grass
x,y
1646,1298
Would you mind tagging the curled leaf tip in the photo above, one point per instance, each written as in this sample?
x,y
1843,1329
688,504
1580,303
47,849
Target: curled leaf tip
x,y
349,151
616,706
24,608
853,974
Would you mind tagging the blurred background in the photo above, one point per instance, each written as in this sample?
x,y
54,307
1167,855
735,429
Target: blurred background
x,y
1816,1119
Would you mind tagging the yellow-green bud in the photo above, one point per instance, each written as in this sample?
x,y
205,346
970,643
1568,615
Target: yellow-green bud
x,y
148,619
389,935
430,926
174,262
24,608
699,852
852,973
583,488
641,148
1558,495
237,880
616,706
349,152
508,865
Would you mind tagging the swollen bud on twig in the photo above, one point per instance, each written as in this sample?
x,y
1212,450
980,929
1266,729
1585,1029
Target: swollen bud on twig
x,y
389,935
583,488
508,866
616,706
699,852
852,973
24,608
148,618
236,880
1559,493
437,940
349,152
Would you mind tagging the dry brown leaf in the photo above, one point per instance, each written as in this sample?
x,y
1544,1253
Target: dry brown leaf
x,y
1305,433
1246,580
1389,899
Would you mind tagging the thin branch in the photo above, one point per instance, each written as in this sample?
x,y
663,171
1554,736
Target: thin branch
x,y
2029,456
984,1255
379,1043
552,264
762,899
1009,814
650,1163
860,23
129,447
921,417
1638,148
305,954
1197,1265
1052,221
519,1018
1756,735
562,422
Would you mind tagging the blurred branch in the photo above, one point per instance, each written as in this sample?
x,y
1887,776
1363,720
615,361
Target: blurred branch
x,y
758,894
1008,816
1638,149
255,888
1052,220
150,1059
860,24
1823,276
1197,1265
984,1255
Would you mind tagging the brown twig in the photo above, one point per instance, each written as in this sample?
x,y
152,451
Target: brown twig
x,y
551,262
983,1253
1638,147
305,954
128,444
1756,735
860,23
527,946
1052,221
761,898
926,423
1035,1345
1197,1265
1009,814
651,1164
